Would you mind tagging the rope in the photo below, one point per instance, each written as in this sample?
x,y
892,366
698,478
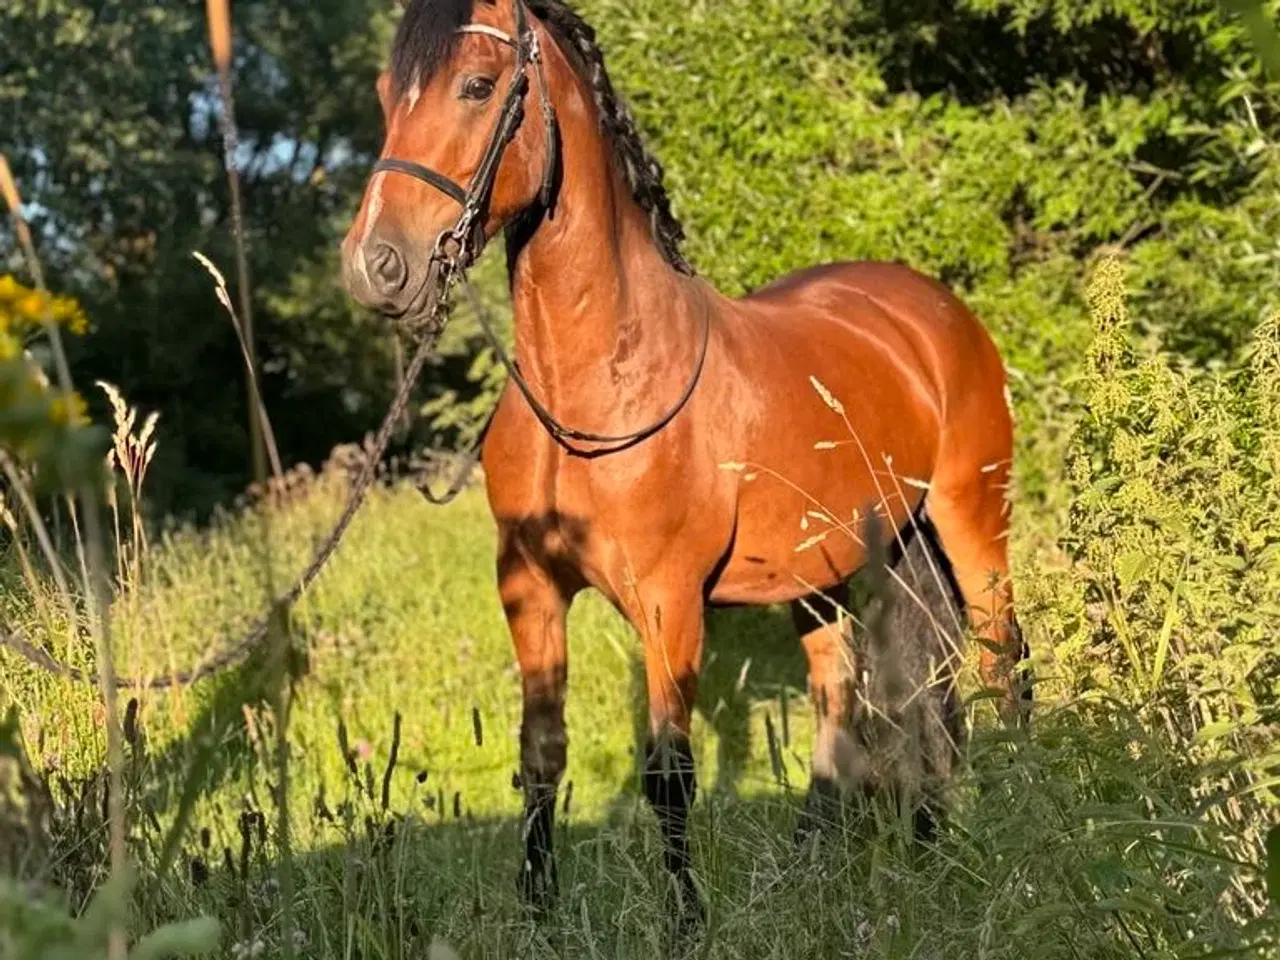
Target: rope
x,y
240,651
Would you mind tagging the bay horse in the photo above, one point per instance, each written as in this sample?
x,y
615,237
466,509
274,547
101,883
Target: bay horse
x,y
723,451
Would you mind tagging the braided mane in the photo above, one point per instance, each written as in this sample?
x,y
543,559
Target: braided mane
x,y
426,38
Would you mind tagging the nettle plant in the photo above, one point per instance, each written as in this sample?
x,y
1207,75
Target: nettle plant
x,y
1173,529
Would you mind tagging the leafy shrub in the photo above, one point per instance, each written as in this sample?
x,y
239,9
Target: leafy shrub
x,y
993,143
1171,605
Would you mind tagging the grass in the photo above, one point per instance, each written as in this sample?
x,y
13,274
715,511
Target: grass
x,y
347,791
1054,849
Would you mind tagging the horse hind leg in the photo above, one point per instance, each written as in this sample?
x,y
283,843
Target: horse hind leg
x,y
913,655
888,712
970,511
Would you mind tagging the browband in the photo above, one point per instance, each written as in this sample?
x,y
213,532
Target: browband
x,y
488,31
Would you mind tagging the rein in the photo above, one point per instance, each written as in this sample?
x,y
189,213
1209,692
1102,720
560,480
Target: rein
x,y
455,250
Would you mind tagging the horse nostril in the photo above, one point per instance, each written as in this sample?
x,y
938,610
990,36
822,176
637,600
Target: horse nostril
x,y
389,269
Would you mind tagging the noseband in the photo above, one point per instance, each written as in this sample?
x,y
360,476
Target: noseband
x,y
459,246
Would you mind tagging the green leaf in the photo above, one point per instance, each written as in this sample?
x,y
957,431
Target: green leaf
x,y
1166,631
179,940
1131,566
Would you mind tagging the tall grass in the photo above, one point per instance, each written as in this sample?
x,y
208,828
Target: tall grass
x,y
1130,824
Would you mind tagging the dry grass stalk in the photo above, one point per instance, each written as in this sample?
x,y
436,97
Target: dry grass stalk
x,y
92,547
131,454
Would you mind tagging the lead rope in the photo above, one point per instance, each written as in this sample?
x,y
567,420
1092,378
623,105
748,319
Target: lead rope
x,y
240,651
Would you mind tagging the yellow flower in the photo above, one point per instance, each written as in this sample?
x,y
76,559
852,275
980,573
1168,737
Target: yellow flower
x,y
10,348
31,307
67,313
68,410
22,306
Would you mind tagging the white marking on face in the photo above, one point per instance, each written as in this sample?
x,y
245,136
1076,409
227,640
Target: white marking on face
x,y
415,92
370,220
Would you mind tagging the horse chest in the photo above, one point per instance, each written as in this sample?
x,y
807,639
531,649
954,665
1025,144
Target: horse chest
x,y
612,519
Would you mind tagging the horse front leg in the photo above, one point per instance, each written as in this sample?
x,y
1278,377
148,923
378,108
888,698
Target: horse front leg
x,y
671,626
536,608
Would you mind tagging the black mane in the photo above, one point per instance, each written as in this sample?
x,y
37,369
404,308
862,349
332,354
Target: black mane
x,y
425,40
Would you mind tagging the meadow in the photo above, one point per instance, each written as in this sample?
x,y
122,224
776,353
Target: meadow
x,y
1129,822
1099,181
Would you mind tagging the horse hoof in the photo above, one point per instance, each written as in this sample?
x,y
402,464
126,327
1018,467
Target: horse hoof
x,y
688,916
539,890
820,814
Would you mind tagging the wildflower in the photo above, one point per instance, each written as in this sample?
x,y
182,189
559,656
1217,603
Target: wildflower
x,y
68,410
24,307
30,308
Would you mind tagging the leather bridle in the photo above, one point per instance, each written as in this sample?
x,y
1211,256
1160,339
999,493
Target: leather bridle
x,y
458,247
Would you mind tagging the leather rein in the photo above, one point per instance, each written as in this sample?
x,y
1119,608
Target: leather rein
x,y
458,247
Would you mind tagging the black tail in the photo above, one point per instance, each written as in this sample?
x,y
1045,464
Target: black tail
x,y
909,721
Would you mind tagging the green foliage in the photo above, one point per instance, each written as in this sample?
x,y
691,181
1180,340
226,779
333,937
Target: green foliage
x,y
1165,617
1177,487
35,930
991,142
110,123
1094,831
41,426
996,143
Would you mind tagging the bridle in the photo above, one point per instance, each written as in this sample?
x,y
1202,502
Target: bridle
x,y
457,248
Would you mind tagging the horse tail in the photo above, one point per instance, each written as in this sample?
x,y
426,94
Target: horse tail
x,y
912,727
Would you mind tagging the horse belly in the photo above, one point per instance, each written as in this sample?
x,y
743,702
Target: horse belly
x,y
809,484
789,546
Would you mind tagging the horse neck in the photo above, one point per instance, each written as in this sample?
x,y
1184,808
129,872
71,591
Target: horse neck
x,y
597,308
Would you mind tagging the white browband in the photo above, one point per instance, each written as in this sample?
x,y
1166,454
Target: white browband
x,y
488,32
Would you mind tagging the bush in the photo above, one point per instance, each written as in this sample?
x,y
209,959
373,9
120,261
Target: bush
x,y
1164,622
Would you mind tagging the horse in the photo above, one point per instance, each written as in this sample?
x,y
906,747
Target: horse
x,y
721,451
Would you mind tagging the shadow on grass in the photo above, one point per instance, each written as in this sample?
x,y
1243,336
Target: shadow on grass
x,y
386,887
752,656
383,881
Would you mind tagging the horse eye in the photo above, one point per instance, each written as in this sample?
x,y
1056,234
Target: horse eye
x,y
477,88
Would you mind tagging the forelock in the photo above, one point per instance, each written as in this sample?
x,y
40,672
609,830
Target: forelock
x,y
425,39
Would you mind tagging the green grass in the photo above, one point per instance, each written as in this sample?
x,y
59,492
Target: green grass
x,y
1131,822
1055,849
